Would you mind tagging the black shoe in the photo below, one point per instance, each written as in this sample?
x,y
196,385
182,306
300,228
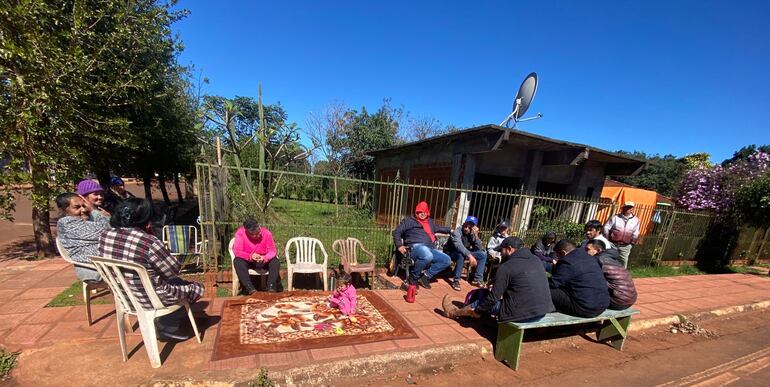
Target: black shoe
x,y
424,281
174,335
476,283
456,285
250,291
271,289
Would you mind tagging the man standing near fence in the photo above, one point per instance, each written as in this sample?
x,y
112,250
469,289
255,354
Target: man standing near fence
x,y
623,231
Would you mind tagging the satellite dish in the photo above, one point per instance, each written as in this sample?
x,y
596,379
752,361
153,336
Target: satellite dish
x,y
524,98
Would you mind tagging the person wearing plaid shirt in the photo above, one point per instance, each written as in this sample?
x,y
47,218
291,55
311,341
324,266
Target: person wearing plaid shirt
x,y
129,241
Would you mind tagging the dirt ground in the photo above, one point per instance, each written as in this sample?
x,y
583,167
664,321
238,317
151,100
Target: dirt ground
x,y
652,357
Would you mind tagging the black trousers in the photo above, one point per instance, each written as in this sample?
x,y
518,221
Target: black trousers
x,y
564,303
242,267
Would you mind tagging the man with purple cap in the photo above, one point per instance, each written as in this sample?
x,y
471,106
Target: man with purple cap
x,y
464,243
93,194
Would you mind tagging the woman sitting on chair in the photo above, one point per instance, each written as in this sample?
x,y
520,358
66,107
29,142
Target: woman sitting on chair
x,y
78,232
254,249
131,241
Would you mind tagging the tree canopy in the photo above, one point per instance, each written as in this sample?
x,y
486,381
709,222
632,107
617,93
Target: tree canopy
x,y
663,173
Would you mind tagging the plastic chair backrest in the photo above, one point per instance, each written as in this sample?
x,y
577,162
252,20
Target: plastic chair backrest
x,y
63,252
347,249
305,248
230,249
114,273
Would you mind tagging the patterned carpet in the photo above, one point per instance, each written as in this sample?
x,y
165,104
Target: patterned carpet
x,y
291,321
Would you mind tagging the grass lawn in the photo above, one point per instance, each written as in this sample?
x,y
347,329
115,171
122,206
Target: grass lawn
x,y
670,271
73,296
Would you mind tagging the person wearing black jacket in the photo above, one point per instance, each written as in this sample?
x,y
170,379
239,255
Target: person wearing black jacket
x,y
578,287
418,234
520,293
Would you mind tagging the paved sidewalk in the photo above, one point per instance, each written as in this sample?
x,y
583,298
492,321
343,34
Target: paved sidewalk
x,y
25,322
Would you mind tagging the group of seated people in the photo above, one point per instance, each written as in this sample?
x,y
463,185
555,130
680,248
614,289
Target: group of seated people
x,y
584,280
87,228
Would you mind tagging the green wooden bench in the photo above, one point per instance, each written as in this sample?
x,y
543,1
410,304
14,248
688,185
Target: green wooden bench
x,y
510,335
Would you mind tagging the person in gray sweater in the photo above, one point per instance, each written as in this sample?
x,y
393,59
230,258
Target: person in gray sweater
x,y
78,231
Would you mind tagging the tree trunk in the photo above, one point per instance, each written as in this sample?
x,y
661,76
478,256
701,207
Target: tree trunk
x,y
41,217
147,177
189,186
179,196
162,184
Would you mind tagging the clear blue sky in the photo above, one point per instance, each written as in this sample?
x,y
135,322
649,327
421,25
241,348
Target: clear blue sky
x,y
656,76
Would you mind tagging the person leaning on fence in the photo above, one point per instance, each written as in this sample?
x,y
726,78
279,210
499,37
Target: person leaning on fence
x,y
418,234
254,249
623,231
464,243
79,232
578,286
621,285
130,241
543,249
520,293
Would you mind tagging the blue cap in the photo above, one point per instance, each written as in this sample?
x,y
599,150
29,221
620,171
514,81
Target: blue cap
x,y
116,181
472,219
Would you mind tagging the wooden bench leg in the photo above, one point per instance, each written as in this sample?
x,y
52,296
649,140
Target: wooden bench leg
x,y
615,331
508,346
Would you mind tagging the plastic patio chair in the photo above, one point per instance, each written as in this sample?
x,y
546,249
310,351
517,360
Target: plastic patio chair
x,y
262,273
305,259
182,240
88,287
113,272
347,250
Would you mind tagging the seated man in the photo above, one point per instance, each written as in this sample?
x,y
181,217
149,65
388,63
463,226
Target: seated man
x,y
464,243
520,293
609,253
621,286
494,257
543,249
578,287
418,232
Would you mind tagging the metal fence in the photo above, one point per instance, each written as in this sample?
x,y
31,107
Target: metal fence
x,y
331,207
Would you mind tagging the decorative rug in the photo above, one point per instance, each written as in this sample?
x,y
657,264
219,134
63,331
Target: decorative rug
x,y
293,321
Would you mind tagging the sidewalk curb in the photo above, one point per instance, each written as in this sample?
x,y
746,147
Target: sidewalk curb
x,y
651,323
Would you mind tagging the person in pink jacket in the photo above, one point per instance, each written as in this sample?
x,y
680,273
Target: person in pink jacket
x,y
254,249
344,297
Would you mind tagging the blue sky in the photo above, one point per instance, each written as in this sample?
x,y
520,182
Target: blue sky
x,y
656,76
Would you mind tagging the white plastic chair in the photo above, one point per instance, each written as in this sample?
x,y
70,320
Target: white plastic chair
x,y
305,259
88,287
236,282
112,272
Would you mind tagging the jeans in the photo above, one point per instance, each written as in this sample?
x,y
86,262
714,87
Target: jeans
x,y
427,257
625,252
459,258
86,274
564,303
478,297
242,267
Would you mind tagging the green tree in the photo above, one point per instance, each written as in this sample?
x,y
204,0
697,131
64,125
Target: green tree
x,y
752,201
744,153
70,74
663,173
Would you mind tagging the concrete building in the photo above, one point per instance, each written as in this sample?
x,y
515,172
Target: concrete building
x,y
500,158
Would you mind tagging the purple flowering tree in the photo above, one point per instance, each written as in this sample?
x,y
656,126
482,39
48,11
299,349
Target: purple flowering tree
x,y
713,188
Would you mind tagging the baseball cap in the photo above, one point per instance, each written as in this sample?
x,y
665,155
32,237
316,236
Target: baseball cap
x,y
472,219
514,242
629,204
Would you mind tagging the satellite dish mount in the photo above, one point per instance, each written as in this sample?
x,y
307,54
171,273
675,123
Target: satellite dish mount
x,y
524,98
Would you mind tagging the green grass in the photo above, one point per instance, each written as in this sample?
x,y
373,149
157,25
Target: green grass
x,y
7,362
73,296
664,271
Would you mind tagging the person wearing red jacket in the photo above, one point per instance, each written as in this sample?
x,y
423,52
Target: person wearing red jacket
x,y
418,233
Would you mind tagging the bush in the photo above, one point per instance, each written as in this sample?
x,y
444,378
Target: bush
x,y
564,229
752,201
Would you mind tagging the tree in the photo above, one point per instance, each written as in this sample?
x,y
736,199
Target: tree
x,y
662,175
713,188
70,73
420,128
744,153
752,201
